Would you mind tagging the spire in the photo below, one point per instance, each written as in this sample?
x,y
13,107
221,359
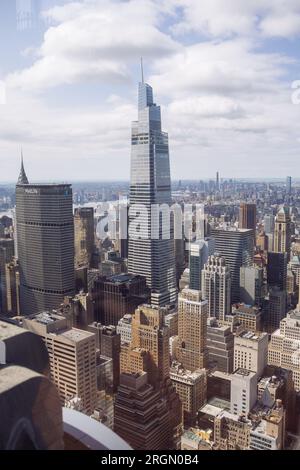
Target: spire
x,y
142,69
22,176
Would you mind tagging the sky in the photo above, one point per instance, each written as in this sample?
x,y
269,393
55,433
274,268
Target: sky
x,y
222,70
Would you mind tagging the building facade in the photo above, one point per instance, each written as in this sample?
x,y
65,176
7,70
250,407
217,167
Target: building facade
x,y
216,286
45,240
150,243
236,245
192,351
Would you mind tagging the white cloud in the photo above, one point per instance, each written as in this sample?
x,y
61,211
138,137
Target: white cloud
x,y
94,41
224,18
226,101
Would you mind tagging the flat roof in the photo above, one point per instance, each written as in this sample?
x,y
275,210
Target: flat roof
x,y
74,334
7,330
121,277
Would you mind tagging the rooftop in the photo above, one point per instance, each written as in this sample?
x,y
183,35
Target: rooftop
x,y
75,334
250,335
45,318
8,330
122,278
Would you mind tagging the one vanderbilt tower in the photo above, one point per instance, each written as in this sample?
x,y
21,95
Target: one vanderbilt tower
x,y
151,244
45,240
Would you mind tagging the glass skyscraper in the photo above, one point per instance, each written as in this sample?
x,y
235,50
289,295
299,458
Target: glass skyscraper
x,y
45,240
151,248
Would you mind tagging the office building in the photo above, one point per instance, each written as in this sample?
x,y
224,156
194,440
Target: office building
x,y
236,245
151,249
275,308
278,384
79,310
216,286
192,330
45,240
179,247
277,270
262,241
251,351
268,428
243,393
171,321
247,317
149,346
143,417
251,285
124,328
117,296
6,256
104,411
192,390
282,231
284,346
294,265
12,287
269,224
217,181
199,253
108,341
84,236
72,356
231,432
288,185
247,216
220,342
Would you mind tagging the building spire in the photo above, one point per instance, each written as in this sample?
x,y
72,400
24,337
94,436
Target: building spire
x,y
22,176
142,69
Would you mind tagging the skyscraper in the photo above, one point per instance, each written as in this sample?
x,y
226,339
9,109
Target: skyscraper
x,y
150,256
236,245
72,356
251,285
217,181
288,184
45,240
150,336
6,256
269,223
277,270
192,330
84,236
247,217
200,250
148,352
284,346
282,232
117,296
143,416
216,287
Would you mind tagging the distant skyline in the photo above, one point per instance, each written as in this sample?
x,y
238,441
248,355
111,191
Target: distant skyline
x,y
222,70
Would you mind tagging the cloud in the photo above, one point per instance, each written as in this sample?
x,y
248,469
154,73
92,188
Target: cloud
x,y
94,41
230,67
226,99
219,18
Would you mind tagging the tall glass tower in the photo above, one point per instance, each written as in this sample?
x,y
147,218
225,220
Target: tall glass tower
x,y
151,252
45,241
